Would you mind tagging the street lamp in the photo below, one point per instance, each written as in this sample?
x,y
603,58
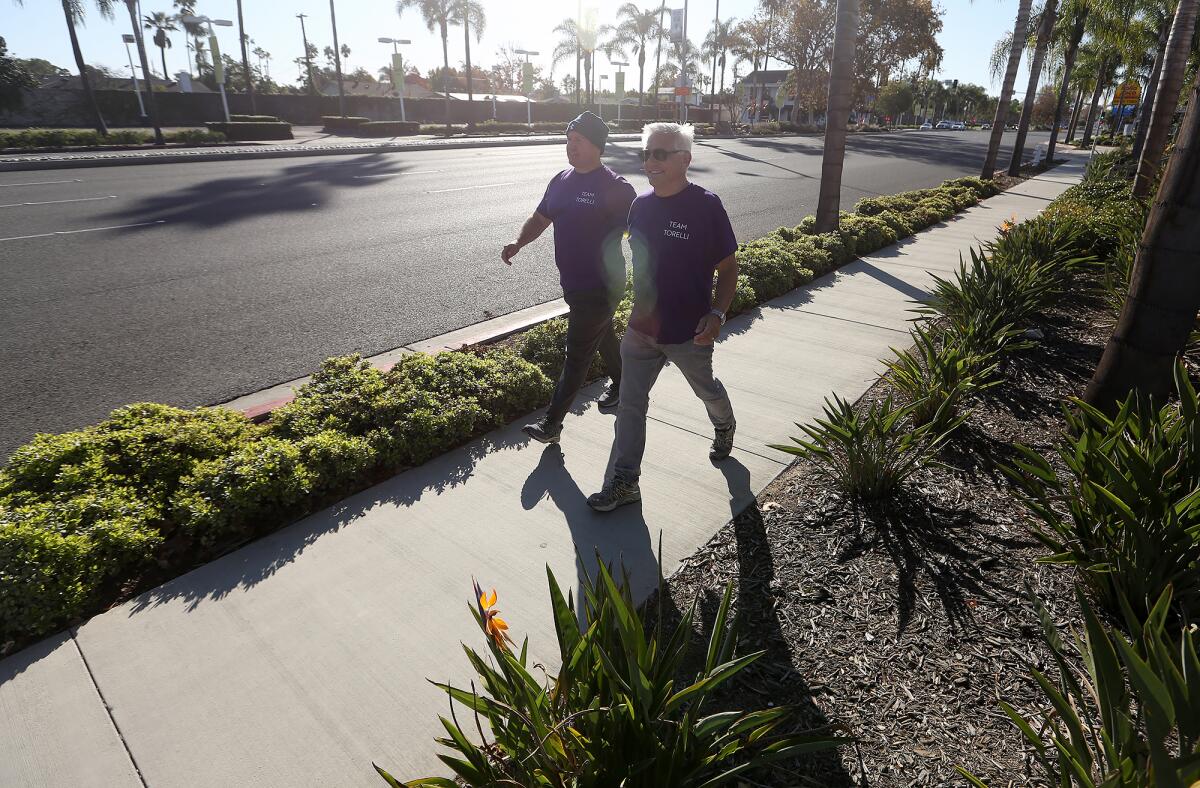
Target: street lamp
x,y
599,99
527,82
129,39
397,67
215,51
619,86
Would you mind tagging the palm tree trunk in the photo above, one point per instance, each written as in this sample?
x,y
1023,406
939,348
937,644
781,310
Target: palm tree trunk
x,y
1045,31
1065,87
1166,98
467,42
84,82
1139,140
446,73
658,56
246,60
1010,78
151,107
1075,112
1101,78
163,50
837,114
1164,291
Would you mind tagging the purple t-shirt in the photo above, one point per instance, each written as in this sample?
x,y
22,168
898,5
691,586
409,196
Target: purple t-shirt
x,y
677,242
589,211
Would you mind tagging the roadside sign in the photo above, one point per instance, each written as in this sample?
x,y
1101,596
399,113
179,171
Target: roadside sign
x,y
620,85
683,90
526,78
1128,93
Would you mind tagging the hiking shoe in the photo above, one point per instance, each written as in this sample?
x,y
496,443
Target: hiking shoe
x,y
543,432
611,399
722,443
617,492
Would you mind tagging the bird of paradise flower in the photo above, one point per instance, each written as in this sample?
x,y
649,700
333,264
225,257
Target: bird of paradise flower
x,y
489,617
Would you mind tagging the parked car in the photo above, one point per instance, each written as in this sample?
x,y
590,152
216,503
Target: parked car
x,y
986,127
926,126
958,126
944,124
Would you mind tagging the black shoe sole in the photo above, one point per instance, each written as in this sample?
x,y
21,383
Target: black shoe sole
x,y
610,407
613,506
542,437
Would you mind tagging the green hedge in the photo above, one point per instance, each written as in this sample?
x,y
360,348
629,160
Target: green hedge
x,y
252,132
253,119
334,123
389,128
89,516
89,138
498,127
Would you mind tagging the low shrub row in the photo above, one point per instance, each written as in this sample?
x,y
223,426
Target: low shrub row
x,y
90,138
336,123
253,119
389,128
498,127
253,131
152,491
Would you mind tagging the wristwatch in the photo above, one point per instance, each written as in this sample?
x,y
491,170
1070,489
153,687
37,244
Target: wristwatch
x,y
720,315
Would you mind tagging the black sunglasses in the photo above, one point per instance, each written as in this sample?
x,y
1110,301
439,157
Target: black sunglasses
x,y
659,154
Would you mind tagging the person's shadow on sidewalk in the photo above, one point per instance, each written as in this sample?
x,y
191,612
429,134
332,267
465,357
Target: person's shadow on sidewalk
x,y
620,538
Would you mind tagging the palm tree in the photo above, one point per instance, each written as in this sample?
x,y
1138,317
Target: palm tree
x,y
73,12
246,58
717,45
161,24
1045,32
469,13
1139,139
1166,98
1164,291
753,35
634,27
439,15
837,114
1075,14
151,108
579,40
1006,91
193,29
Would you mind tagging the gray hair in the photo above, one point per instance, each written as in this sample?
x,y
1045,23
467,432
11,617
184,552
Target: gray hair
x,y
683,134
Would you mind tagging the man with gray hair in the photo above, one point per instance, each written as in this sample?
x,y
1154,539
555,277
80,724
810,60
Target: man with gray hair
x,y
679,234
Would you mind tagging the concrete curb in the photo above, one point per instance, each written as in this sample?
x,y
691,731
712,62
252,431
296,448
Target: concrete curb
x,y
257,406
73,161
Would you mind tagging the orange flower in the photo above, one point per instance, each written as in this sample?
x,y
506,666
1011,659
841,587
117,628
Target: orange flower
x,y
1008,224
493,626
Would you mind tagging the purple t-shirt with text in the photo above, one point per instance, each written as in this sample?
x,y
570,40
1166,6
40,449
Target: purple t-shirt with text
x,y
677,242
589,211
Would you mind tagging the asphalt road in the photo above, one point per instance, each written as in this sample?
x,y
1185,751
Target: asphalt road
x,y
191,284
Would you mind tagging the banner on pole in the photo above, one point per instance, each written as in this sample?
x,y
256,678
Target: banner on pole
x,y
620,85
526,78
218,66
677,25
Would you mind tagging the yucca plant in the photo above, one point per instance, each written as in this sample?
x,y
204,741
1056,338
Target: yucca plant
x,y
613,714
1130,718
938,375
1059,249
1127,511
869,452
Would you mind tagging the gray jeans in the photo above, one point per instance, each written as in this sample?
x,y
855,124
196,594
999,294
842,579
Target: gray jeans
x,y
642,359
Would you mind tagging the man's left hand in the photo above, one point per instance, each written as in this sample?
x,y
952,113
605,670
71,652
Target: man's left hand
x,y
707,330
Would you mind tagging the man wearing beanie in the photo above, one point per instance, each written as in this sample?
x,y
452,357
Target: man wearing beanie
x,y
588,204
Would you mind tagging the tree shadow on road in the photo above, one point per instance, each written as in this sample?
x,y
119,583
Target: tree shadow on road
x,y
298,188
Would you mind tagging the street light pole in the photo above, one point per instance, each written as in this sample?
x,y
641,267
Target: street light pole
x,y
141,47
128,39
600,98
218,67
397,66
529,87
312,86
619,88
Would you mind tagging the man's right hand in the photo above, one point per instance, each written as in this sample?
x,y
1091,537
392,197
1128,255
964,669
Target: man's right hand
x,y
507,253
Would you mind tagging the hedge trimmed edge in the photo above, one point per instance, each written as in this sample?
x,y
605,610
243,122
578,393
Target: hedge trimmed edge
x,y
93,516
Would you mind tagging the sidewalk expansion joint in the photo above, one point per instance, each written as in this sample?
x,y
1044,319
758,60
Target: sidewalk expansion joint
x,y
736,445
107,708
846,319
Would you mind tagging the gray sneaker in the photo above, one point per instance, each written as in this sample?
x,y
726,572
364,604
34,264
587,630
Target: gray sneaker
x,y
617,492
543,431
722,443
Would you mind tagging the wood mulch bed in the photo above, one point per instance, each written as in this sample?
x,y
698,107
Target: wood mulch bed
x,y
903,628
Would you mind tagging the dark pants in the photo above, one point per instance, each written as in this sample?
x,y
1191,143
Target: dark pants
x,y
589,328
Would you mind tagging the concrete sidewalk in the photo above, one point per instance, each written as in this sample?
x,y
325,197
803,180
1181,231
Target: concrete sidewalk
x,y
303,657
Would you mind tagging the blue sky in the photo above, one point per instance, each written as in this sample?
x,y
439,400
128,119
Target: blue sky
x,y
37,29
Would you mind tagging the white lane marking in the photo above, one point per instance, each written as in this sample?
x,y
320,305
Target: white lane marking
x,y
56,202
38,183
394,174
86,230
465,188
